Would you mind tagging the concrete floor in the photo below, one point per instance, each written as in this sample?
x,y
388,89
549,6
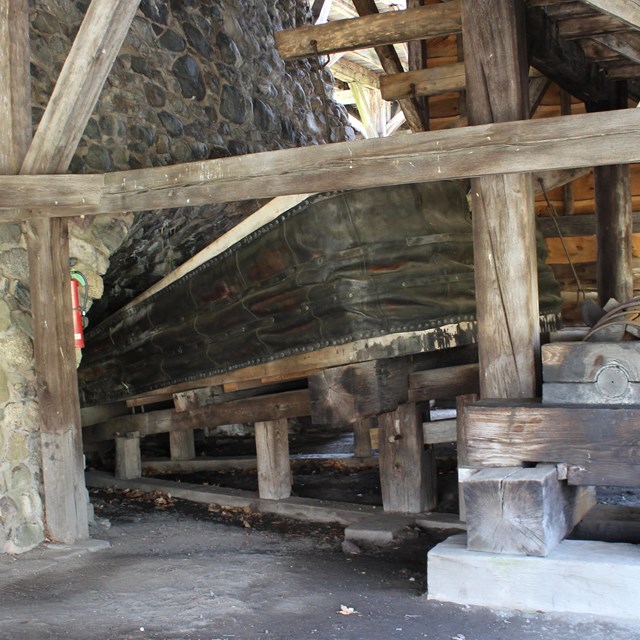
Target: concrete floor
x,y
172,575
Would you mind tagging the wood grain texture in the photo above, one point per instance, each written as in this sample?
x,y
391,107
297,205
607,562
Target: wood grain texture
x,y
504,245
614,230
567,142
15,84
447,382
627,11
407,471
272,456
503,433
521,511
583,361
344,395
390,62
586,27
423,82
362,445
128,460
94,50
370,31
617,475
182,445
288,404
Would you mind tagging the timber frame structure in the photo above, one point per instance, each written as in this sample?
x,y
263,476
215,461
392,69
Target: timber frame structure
x,y
494,143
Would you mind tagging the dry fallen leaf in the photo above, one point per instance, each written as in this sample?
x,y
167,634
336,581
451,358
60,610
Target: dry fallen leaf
x,y
346,611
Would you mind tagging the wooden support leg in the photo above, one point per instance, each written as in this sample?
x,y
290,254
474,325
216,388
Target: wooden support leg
x,y
407,472
128,462
522,511
464,473
272,451
182,445
362,438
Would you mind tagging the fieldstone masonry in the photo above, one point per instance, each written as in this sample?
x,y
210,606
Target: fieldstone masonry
x,y
194,80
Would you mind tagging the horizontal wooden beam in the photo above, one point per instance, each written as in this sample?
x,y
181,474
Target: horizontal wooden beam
x,y
575,28
627,11
272,407
575,225
419,23
511,433
582,140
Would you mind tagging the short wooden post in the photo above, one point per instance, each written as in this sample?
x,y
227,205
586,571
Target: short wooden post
x,y
464,472
128,461
407,472
182,445
362,438
272,452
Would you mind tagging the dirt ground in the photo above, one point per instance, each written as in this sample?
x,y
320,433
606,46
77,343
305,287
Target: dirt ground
x,y
178,572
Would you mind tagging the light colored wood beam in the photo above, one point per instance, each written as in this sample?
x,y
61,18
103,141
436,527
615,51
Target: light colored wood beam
x,y
566,142
350,72
76,92
626,10
626,44
370,31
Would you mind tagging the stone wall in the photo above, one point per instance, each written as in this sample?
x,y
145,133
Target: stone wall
x,y
195,79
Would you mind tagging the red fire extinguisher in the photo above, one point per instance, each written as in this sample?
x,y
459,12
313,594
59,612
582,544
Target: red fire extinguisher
x,y
78,310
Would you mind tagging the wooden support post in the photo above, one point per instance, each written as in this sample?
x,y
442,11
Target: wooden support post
x,y
522,511
182,445
407,473
128,461
79,84
464,472
362,438
503,212
272,452
614,229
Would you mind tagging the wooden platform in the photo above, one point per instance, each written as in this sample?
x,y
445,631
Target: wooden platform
x,y
595,578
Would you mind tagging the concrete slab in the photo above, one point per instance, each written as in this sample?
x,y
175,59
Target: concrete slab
x,y
584,577
378,530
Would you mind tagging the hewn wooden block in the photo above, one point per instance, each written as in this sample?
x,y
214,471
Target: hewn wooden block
x,y
521,511
343,395
591,372
128,461
512,432
594,578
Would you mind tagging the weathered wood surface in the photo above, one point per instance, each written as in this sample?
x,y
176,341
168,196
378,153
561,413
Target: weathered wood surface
x,y
464,471
128,460
370,31
182,445
564,61
504,246
610,523
272,455
566,142
85,70
614,229
611,387
576,225
423,82
362,445
521,511
510,433
586,27
447,382
305,364
407,471
264,408
583,361
390,62
619,474
344,395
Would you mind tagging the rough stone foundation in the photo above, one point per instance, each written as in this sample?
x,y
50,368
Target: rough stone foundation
x,y
194,80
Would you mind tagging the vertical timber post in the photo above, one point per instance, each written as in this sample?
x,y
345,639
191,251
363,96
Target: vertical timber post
x,y
182,445
272,454
502,205
407,477
614,230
